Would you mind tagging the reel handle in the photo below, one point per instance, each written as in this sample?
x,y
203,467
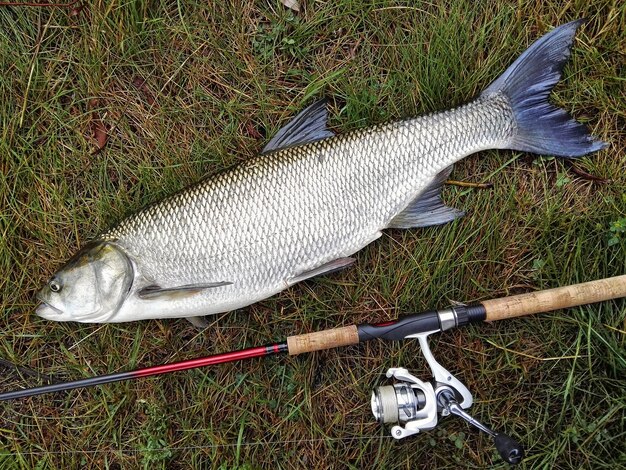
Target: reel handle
x,y
509,449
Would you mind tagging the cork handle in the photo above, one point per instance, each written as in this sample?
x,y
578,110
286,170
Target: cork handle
x,y
554,299
326,339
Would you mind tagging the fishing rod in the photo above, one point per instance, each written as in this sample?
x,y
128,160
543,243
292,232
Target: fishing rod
x,y
410,402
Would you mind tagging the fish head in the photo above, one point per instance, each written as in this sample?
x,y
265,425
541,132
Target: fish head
x,y
90,288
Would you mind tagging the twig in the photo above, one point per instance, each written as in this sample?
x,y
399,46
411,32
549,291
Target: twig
x,y
28,371
33,61
530,356
466,184
588,176
31,4
615,329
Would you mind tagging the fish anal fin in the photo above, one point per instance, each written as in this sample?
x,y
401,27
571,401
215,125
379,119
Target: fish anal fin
x,y
427,209
199,322
332,266
308,126
179,292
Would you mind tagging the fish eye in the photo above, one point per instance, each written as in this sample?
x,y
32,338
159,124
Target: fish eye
x,y
55,286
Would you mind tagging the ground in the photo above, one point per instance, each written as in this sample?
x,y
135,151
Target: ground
x,y
106,107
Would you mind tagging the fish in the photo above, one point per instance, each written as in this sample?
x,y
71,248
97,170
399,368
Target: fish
x,y
308,202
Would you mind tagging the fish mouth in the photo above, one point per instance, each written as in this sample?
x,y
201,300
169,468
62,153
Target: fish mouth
x,y
45,310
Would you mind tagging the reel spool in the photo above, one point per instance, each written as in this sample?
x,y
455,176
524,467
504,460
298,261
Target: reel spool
x,y
398,403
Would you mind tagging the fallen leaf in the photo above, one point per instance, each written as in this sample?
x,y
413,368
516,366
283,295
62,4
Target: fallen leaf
x,y
98,129
292,4
100,133
75,11
252,131
140,84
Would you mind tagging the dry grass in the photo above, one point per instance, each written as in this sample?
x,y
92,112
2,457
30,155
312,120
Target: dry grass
x,y
187,89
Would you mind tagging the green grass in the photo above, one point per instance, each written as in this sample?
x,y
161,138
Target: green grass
x,y
219,81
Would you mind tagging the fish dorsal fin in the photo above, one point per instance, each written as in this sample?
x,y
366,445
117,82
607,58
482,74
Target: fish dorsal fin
x,y
306,127
332,266
427,209
157,292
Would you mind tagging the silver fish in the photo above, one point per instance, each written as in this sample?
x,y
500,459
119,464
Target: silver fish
x,y
307,202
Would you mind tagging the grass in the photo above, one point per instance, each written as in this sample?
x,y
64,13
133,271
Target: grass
x,y
185,89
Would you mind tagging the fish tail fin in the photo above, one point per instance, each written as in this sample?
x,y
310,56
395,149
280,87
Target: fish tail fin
x,y
540,126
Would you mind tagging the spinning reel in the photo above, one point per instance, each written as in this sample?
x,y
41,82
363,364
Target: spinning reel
x,y
414,405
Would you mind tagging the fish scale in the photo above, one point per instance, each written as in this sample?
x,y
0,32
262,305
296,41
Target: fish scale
x,y
281,214
307,202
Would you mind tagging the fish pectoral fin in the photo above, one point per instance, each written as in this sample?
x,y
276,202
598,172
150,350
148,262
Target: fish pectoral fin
x,y
153,291
199,322
306,127
427,209
334,265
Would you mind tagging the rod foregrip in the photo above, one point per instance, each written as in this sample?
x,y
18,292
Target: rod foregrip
x,y
320,340
555,299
